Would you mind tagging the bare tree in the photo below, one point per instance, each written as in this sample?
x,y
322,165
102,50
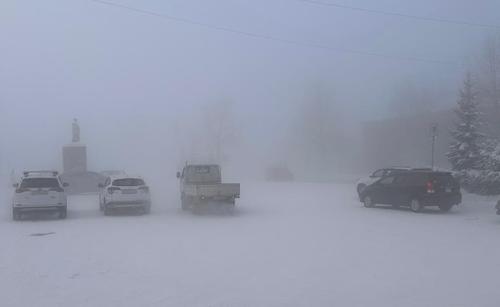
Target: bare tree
x,y
219,131
490,72
413,97
318,139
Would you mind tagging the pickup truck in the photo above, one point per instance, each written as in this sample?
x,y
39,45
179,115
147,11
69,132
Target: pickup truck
x,y
201,185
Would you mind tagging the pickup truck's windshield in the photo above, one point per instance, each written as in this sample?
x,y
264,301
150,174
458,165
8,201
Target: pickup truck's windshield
x,y
128,182
40,183
202,174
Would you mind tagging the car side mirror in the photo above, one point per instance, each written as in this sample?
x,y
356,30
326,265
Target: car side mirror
x,y
15,185
100,185
65,184
178,174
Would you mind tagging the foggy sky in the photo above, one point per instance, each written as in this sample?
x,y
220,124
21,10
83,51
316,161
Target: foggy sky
x,y
132,78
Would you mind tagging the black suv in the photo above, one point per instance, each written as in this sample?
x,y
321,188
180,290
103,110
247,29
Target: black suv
x,y
414,188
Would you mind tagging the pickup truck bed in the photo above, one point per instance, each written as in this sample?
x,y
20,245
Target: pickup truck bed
x,y
219,191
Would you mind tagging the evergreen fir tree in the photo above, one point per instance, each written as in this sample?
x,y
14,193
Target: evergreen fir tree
x,y
465,150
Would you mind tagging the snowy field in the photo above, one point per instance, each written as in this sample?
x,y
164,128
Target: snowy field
x,y
286,245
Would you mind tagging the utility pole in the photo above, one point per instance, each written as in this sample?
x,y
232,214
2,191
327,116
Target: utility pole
x,y
434,134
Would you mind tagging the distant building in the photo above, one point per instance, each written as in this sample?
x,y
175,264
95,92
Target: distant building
x,y
406,141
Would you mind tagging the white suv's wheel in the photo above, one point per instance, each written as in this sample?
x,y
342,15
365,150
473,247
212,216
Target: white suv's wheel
x,y
415,205
368,202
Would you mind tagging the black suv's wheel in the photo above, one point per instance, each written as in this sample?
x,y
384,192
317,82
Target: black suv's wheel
x,y
415,205
368,202
360,187
445,207
147,209
63,213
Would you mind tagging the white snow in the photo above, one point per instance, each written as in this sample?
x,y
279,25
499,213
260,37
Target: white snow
x,y
287,245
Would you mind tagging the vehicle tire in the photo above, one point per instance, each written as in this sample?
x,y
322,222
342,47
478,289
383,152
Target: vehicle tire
x,y
147,209
230,210
360,188
100,205
415,205
16,215
445,207
368,202
63,213
185,205
106,210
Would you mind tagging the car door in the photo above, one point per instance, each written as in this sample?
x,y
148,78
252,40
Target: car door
x,y
383,190
401,190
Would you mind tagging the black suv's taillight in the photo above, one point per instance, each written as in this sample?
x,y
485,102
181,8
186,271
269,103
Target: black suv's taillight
x,y
430,187
144,189
21,190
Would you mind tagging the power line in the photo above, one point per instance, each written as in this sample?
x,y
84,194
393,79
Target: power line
x,y
273,38
402,15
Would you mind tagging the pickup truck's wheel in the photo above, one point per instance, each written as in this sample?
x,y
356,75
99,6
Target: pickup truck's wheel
x,y
445,207
368,202
415,205
16,215
63,213
360,187
147,209
185,203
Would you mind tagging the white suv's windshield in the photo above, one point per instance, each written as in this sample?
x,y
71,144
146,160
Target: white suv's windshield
x,y
128,182
39,183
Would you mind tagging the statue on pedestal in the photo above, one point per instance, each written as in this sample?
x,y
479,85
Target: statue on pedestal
x,y
76,131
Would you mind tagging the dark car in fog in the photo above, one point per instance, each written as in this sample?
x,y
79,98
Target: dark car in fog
x,y
415,189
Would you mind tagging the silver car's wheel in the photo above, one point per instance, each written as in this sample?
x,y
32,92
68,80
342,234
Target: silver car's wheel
x,y
368,202
415,205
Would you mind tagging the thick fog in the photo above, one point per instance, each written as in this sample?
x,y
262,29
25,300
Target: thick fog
x,y
151,93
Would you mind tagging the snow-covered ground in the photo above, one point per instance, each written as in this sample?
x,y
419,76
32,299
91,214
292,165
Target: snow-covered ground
x,y
286,245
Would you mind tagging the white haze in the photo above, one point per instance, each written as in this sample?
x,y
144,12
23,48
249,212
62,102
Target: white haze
x,y
139,85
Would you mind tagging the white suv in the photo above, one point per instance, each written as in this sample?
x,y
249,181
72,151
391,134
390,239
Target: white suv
x,y
39,191
124,192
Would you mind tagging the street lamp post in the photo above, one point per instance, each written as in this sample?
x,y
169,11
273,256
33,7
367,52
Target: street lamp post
x,y
434,134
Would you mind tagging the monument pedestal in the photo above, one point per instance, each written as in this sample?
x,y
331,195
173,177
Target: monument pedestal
x,y
75,158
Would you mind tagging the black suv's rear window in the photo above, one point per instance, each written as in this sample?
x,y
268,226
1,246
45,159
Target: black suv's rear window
x,y
412,179
128,182
444,178
39,183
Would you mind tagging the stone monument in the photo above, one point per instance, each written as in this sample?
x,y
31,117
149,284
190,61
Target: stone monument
x,y
75,154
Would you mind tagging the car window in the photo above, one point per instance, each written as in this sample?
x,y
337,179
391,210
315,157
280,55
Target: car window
x,y
40,183
202,174
387,180
378,173
416,179
128,182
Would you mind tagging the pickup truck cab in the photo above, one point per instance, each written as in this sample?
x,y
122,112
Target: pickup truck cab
x,y
124,192
201,185
39,191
